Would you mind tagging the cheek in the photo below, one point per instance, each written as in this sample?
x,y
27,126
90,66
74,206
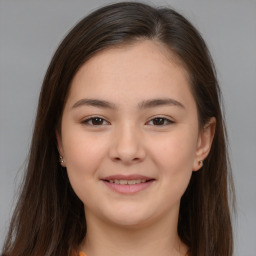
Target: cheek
x,y
177,149
79,155
83,154
174,156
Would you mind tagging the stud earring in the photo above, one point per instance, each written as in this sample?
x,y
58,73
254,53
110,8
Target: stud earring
x,y
201,163
61,160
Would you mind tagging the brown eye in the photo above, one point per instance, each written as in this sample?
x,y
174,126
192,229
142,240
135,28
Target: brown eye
x,y
95,121
160,121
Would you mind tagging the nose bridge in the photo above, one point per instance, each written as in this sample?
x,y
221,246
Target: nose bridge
x,y
127,143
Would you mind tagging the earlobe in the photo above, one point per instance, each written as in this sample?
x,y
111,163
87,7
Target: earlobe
x,y
204,143
60,149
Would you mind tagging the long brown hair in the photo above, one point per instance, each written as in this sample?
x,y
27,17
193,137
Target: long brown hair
x,y
49,218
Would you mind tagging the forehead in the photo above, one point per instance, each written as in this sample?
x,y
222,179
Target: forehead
x,y
129,72
150,53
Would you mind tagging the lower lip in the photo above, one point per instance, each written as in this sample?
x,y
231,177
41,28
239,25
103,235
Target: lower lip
x,y
128,189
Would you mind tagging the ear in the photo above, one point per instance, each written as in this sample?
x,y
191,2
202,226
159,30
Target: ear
x,y
60,148
204,143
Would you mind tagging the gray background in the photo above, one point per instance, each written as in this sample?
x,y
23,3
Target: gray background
x,y
30,32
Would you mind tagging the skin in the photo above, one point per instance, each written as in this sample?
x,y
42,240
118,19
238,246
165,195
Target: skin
x,y
128,140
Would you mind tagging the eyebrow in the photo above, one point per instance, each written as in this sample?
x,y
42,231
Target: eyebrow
x,y
142,105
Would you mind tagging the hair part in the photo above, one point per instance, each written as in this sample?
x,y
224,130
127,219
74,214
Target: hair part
x,y
49,218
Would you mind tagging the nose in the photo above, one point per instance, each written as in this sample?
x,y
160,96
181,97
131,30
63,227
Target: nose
x,y
127,146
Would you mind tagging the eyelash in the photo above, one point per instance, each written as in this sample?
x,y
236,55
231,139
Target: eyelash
x,y
86,122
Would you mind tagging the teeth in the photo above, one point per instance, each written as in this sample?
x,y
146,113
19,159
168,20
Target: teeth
x,y
127,182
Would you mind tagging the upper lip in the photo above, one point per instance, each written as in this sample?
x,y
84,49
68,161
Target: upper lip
x,y
127,177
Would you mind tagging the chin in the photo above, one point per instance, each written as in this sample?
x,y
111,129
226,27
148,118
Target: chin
x,y
130,219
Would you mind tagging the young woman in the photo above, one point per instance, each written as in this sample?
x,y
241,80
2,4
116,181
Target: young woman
x,y
130,109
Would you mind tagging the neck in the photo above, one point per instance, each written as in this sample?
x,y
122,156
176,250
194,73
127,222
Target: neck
x,y
159,238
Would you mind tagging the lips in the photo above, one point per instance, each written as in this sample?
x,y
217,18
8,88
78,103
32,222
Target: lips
x,y
128,184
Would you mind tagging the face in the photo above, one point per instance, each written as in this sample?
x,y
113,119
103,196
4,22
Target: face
x,y
129,135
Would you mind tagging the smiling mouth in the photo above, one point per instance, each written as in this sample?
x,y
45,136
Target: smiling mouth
x,y
130,184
